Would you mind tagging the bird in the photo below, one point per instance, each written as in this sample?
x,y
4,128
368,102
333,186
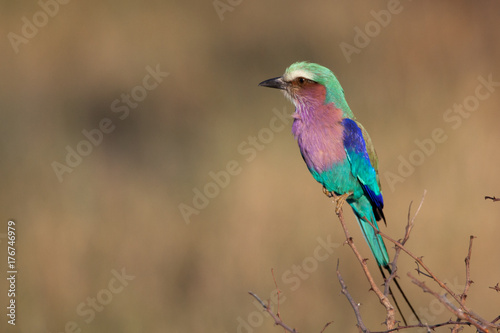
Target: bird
x,y
337,149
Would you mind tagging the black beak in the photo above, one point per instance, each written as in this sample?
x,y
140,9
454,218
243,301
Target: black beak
x,y
277,83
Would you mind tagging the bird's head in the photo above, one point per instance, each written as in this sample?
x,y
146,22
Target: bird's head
x,y
306,83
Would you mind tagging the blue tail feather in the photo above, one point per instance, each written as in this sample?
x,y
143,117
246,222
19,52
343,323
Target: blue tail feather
x,y
362,209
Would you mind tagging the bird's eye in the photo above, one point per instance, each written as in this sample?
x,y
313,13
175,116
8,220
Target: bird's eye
x,y
301,80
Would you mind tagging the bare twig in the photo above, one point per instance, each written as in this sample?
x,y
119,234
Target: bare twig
x,y
355,306
410,225
326,325
408,229
278,292
277,320
421,272
468,281
492,198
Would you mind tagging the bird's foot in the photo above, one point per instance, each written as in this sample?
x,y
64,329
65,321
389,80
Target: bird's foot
x,y
328,193
340,201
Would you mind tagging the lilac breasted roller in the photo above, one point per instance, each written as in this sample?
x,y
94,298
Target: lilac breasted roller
x,y
335,147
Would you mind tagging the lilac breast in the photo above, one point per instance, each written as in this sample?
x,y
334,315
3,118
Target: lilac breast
x,y
319,134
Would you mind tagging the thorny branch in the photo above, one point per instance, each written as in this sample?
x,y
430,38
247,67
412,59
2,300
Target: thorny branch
x,y
460,313
464,308
428,327
465,317
460,299
463,313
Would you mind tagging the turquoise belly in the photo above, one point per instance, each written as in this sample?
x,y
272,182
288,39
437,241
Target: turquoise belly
x,y
339,179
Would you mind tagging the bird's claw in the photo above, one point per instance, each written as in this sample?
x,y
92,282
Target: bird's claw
x,y
328,193
340,201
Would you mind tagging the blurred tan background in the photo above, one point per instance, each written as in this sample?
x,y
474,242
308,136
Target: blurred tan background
x,y
118,212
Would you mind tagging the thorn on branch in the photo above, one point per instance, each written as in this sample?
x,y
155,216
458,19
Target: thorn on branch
x,y
496,288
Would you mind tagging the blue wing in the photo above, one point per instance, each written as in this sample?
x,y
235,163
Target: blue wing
x,y
361,165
